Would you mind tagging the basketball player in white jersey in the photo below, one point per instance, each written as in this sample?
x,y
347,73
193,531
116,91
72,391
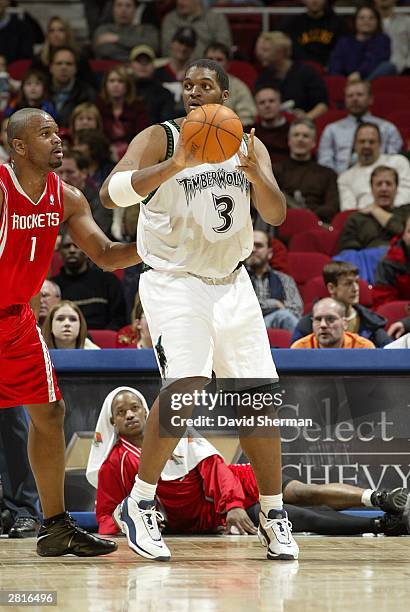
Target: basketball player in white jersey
x,y
194,230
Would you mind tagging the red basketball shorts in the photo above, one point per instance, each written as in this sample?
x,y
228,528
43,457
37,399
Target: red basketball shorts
x,y
26,372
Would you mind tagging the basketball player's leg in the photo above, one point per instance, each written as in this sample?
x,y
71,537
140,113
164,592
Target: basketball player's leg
x,y
177,312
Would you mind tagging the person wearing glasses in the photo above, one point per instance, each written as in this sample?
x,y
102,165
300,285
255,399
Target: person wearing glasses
x,y
329,326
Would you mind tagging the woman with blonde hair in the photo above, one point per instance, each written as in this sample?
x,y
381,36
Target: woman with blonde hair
x,y
124,114
65,328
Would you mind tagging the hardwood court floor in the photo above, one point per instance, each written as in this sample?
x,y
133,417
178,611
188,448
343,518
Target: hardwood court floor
x,y
221,574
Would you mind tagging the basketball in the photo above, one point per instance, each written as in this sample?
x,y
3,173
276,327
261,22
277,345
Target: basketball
x,y
212,133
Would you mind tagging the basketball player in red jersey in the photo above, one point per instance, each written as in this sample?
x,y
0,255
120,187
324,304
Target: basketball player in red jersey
x,y
33,203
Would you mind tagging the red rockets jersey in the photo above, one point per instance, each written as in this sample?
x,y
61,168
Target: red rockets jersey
x,y
28,233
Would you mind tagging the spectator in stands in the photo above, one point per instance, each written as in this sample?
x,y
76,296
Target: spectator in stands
x,y
67,89
99,294
306,183
403,342
33,93
366,53
4,145
124,114
201,494
329,328
50,295
315,32
16,35
96,149
376,224
271,126
398,328
114,41
354,184
342,282
240,98
397,27
300,84
336,148
209,26
172,74
278,295
85,116
393,272
60,34
159,101
65,328
129,335
74,170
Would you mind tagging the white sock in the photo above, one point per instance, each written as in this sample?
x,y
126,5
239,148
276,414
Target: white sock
x,y
271,502
143,490
366,495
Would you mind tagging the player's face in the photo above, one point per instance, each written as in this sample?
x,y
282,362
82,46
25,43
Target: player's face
x,y
268,104
367,145
201,87
42,144
327,324
128,414
66,324
406,234
347,289
357,99
384,189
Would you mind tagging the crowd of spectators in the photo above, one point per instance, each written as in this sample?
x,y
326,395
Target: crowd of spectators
x,y
330,153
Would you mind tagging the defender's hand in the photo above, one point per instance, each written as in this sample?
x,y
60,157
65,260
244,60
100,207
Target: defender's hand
x,y
240,521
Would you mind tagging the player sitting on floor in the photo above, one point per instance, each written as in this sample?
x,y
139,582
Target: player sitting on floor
x,y
199,493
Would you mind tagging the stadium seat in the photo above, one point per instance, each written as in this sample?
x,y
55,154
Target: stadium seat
x,y
401,119
102,66
393,311
315,241
298,220
391,84
336,90
244,71
104,338
18,69
279,338
385,101
304,266
340,218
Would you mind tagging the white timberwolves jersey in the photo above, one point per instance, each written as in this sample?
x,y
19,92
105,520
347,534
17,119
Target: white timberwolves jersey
x,y
199,220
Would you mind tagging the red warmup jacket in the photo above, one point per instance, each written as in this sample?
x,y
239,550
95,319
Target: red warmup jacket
x,y
196,503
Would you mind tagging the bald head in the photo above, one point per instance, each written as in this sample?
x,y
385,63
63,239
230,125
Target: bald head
x,y
22,120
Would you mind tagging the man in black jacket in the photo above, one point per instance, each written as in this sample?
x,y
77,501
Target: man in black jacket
x,y
342,282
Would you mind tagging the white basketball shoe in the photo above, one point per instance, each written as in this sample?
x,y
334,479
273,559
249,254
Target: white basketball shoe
x,y
275,532
139,522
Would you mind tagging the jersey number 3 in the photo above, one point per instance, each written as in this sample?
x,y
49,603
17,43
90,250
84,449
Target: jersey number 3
x,y
224,206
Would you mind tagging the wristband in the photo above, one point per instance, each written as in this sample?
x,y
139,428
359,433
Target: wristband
x,y
121,191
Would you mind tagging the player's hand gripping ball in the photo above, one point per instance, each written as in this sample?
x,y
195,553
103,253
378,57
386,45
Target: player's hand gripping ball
x,y
212,133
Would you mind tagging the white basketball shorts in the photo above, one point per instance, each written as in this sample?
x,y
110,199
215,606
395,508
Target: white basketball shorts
x,y
198,327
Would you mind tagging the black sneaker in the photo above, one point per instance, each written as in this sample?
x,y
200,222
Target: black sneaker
x,y
64,537
392,502
24,527
393,525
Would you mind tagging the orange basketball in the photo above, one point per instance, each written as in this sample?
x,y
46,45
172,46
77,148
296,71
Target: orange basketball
x,y
212,133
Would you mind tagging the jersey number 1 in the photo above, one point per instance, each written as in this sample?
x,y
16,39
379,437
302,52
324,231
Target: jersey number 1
x,y
33,247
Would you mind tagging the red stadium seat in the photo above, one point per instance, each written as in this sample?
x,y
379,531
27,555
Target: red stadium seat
x,y
315,241
340,218
385,102
298,220
336,90
279,338
244,71
18,69
393,311
304,266
105,338
401,119
391,84
102,66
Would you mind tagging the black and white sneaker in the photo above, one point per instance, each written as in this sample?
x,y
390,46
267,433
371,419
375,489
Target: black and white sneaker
x,y
139,522
65,537
275,532
393,501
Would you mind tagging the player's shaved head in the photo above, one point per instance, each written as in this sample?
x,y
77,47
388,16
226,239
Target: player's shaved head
x,y
22,120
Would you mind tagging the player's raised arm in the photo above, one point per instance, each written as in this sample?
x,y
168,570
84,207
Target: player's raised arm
x,y
266,195
89,238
